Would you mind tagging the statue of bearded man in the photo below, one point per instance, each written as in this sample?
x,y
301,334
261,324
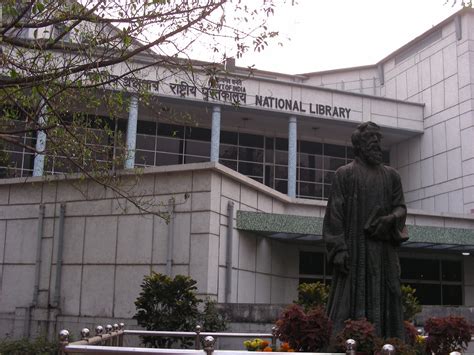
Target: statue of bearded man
x,y
363,228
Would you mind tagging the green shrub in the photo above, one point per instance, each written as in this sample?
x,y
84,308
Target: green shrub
x,y
172,304
38,346
411,305
311,295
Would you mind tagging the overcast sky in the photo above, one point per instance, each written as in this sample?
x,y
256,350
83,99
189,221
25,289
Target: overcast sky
x,y
331,34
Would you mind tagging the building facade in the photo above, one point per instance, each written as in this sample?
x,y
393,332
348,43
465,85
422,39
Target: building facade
x,y
245,181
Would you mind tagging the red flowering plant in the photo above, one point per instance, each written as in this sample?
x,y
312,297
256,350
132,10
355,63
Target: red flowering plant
x,y
309,332
447,334
361,330
411,333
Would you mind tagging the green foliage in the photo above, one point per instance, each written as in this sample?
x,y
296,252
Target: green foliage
x,y
311,295
411,305
38,346
447,334
211,319
309,332
172,304
362,331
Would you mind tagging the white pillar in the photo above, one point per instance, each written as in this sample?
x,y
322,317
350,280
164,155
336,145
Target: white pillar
x,y
131,133
292,156
38,164
215,133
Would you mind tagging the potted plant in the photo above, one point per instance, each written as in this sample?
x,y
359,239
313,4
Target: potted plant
x,y
447,334
309,332
362,331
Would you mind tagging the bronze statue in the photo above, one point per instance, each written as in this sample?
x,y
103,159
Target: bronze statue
x,y
363,226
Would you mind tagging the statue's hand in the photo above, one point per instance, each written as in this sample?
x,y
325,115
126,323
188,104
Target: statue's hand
x,y
382,227
341,262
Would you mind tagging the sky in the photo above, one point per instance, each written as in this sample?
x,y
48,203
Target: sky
x,y
331,34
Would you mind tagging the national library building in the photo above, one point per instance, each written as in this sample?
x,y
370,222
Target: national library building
x,y
244,170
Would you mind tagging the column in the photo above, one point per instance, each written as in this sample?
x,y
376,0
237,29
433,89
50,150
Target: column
x,y
292,156
215,133
131,133
38,164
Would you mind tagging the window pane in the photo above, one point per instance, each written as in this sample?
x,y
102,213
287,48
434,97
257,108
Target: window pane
x,y
328,177
419,269
281,144
386,157
146,127
190,159
250,140
269,176
228,152
281,172
170,145
452,295
198,148
167,159
269,150
311,147
229,163
229,137
311,263
332,150
309,189
281,186
281,158
145,142
428,294
451,270
170,130
197,133
145,158
250,169
327,191
251,154
333,163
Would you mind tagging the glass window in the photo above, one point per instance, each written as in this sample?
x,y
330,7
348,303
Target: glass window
x,y
197,133
167,159
333,163
428,294
145,158
228,152
311,263
419,269
250,140
198,148
269,175
281,186
452,295
191,159
251,154
311,147
146,127
310,189
229,163
251,169
229,137
281,172
281,144
269,150
146,142
333,150
281,158
170,145
170,130
451,270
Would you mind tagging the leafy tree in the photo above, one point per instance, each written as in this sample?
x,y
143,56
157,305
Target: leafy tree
x,y
67,64
410,304
172,304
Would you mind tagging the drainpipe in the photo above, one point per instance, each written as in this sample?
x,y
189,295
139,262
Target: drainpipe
x,y
228,263
169,252
59,257
39,237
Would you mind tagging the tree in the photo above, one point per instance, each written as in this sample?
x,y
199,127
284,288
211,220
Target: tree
x,y
70,69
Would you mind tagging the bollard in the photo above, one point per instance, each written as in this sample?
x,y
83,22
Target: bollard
x,y
120,339
209,342
63,340
454,353
85,333
351,347
115,329
197,339
108,330
274,337
388,349
99,330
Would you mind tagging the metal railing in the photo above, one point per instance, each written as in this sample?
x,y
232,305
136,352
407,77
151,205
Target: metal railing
x,y
110,339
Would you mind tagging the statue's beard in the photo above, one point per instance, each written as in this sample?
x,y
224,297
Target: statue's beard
x,y
372,154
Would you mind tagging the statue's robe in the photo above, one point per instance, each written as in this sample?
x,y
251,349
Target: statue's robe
x,y
360,193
